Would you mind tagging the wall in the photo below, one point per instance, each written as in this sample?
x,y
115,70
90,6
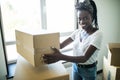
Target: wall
x,y
2,62
2,59
109,23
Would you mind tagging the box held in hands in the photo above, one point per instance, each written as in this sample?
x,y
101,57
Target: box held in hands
x,y
32,45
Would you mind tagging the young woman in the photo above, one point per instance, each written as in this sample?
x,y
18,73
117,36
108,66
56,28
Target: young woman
x,y
87,41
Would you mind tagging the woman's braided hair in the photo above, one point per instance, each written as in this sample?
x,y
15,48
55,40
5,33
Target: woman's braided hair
x,y
91,8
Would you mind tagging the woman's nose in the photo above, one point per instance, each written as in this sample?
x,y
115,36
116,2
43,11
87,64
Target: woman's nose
x,y
81,22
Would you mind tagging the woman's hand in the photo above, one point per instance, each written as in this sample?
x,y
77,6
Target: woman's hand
x,y
52,58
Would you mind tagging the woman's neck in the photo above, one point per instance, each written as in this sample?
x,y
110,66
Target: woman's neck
x,y
91,30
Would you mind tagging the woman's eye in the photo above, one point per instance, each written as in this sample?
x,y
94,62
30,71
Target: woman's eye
x,y
85,18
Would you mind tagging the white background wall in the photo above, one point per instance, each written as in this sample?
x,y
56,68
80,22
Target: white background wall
x,y
109,24
2,62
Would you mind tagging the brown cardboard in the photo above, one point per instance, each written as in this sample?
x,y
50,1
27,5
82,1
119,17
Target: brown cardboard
x,y
32,45
114,54
25,71
114,73
110,72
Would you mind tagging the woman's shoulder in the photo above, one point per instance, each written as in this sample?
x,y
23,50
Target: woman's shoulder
x,y
97,33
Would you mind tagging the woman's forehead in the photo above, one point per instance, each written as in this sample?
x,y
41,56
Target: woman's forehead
x,y
83,13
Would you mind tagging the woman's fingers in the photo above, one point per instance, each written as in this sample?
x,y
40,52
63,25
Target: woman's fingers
x,y
48,60
51,58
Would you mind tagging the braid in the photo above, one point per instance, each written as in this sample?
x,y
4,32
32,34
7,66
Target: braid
x,y
94,13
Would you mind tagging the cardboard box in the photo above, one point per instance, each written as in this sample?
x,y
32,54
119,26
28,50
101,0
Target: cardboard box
x,y
114,54
25,71
110,72
33,44
114,73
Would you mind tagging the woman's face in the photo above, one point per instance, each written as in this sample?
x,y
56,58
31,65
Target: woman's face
x,y
85,19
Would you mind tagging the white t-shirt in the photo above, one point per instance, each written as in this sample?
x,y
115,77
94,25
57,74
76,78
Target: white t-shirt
x,y
82,41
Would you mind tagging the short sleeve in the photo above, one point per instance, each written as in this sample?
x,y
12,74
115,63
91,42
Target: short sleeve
x,y
96,39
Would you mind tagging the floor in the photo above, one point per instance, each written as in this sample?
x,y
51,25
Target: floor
x,y
68,68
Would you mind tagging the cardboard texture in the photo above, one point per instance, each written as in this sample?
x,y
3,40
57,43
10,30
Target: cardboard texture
x,y
32,45
25,71
110,72
114,54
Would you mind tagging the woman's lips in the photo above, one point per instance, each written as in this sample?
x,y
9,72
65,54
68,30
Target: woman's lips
x,y
83,25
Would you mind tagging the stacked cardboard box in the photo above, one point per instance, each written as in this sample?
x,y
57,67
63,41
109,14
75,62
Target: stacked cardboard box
x,y
25,71
111,64
31,45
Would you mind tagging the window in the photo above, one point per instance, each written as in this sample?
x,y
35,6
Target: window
x,y
17,14
60,17
53,15
62,14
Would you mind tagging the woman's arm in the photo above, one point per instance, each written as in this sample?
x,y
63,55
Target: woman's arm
x,y
79,59
51,58
65,43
